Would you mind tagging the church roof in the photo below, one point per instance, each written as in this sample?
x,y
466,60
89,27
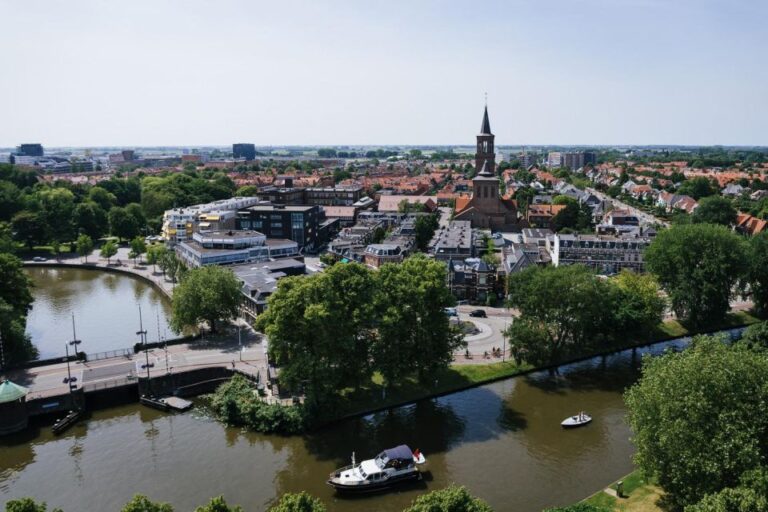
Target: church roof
x,y
10,391
485,172
485,128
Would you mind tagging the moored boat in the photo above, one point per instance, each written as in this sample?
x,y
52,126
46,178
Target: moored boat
x,y
578,420
391,467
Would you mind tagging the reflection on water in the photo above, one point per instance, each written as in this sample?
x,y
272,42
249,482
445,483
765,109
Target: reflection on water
x,y
105,307
503,441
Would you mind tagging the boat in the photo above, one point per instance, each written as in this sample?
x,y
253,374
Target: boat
x,y
578,420
391,467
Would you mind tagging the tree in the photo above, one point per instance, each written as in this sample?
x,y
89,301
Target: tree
x,y
697,188
425,226
122,224
414,334
639,304
102,197
715,210
490,256
757,276
560,308
7,244
91,219
574,215
699,418
699,266
207,294
138,247
29,228
135,211
15,303
450,499
298,502
141,503
755,337
57,211
218,504
108,250
10,200
171,265
84,246
27,505
247,191
319,330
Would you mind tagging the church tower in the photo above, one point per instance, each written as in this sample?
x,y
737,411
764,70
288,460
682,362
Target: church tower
x,y
485,156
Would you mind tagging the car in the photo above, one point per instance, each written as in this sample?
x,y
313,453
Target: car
x,y
477,313
39,258
451,312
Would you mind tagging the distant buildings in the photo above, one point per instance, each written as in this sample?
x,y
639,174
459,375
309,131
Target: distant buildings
x,y
242,150
30,150
571,159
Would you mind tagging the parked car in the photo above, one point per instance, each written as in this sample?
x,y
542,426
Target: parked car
x,y
451,312
478,313
39,258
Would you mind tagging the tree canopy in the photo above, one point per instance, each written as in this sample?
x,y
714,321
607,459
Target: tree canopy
x,y
699,266
298,502
15,304
450,499
715,210
141,503
206,294
757,252
699,418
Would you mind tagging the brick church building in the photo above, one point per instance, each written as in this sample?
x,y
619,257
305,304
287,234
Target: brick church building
x,y
486,208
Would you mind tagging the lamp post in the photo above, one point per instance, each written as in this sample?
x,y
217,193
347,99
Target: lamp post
x,y
239,343
69,379
75,342
143,334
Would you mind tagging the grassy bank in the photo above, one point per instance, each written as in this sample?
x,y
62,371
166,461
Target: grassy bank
x,y
371,398
639,494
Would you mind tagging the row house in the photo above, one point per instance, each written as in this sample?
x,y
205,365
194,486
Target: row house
x,y
472,280
673,202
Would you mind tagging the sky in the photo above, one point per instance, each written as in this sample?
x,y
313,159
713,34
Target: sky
x,y
415,72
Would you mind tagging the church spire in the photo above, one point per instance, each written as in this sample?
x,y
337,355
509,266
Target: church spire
x,y
485,128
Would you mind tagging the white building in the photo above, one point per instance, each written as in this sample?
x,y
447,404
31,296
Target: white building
x,y
180,223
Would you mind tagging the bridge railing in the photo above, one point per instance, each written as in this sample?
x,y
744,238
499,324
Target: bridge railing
x,y
109,384
109,354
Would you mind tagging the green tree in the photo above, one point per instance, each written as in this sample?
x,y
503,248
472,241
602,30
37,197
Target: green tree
x,y
639,306
319,330
141,503
298,502
757,276
138,247
108,250
27,505
425,226
414,334
15,304
29,228
247,191
122,224
573,216
135,211
209,294
697,188
699,266
450,499
10,200
755,337
699,418
715,210
104,198
218,504
560,308
58,207
84,246
7,244
91,219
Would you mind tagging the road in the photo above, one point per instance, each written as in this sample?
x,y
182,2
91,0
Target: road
x,y
646,219
490,334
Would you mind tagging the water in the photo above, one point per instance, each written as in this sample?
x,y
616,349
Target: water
x,y
503,441
105,306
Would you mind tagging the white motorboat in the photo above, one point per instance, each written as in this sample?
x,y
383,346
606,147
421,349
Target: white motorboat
x,y
579,420
390,467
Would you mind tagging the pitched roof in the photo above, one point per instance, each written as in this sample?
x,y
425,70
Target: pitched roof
x,y
10,392
485,128
461,203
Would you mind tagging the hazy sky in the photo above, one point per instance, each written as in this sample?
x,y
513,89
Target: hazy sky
x,y
158,72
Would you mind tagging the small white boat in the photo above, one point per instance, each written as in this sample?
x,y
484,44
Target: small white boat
x,y
579,420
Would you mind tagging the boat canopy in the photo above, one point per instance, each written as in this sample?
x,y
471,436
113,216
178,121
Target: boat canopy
x,y
401,452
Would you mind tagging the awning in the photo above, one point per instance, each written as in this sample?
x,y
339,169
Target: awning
x,y
10,392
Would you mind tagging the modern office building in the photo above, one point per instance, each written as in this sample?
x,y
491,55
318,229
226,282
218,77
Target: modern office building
x,y
298,223
30,150
241,150
233,247
180,223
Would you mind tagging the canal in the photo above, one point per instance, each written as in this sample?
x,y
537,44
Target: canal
x,y
105,305
503,440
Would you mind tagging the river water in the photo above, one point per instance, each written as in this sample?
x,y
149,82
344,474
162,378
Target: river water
x,y
503,441
105,305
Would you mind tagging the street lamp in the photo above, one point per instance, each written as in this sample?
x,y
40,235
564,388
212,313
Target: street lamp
x,y
75,342
239,343
69,379
143,334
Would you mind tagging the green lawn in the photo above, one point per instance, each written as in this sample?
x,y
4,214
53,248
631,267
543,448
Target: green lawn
x,y
640,495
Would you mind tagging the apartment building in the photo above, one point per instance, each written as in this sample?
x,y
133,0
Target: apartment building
x,y
605,253
180,223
